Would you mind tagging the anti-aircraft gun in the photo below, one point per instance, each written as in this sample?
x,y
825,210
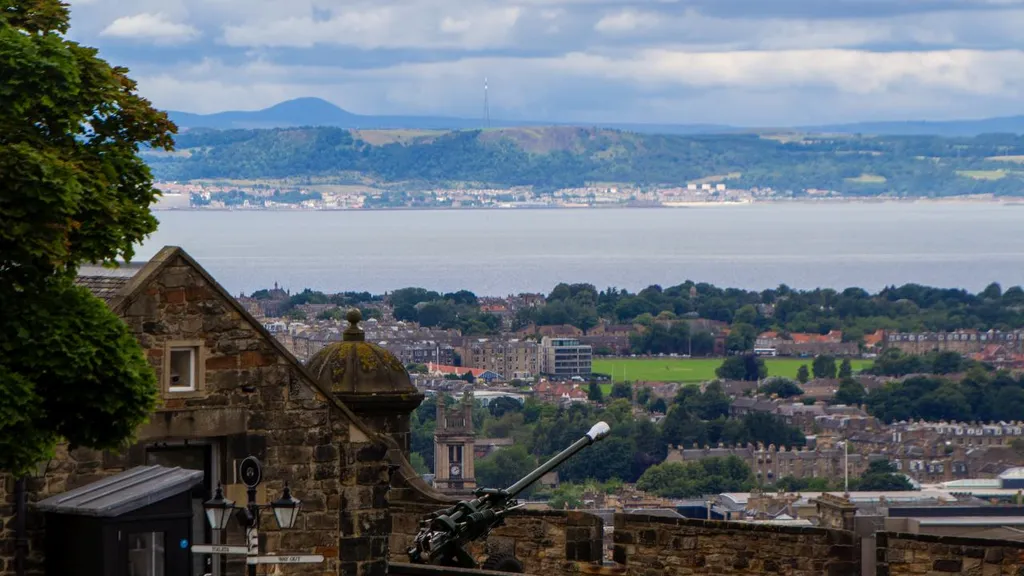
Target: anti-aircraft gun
x,y
444,533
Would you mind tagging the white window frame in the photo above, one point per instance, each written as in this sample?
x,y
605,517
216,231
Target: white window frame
x,y
197,359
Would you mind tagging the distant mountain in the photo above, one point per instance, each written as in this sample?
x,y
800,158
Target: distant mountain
x,y
318,112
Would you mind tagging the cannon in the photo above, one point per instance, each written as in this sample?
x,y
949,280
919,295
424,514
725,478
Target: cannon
x,y
444,534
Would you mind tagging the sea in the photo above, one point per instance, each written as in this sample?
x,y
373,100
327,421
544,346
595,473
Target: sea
x,y
508,251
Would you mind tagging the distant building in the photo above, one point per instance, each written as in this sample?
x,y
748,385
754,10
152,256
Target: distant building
x,y
565,357
962,341
511,359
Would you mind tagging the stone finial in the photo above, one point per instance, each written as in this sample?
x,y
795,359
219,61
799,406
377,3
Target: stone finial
x,y
354,333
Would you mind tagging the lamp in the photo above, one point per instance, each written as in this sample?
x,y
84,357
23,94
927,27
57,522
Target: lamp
x,y
286,509
218,510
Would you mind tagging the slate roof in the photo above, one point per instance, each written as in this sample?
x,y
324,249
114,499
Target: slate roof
x,y
124,492
106,283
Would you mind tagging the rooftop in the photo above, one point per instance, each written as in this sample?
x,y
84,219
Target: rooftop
x,y
124,492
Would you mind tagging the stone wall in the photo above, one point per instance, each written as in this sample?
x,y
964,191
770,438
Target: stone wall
x,y
546,542
253,399
912,554
646,544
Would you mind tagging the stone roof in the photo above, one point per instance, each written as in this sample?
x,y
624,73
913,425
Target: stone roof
x,y
106,283
354,367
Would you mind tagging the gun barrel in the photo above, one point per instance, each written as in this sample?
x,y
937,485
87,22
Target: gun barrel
x,y
596,433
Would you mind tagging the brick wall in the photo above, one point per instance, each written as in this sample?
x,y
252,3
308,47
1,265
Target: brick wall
x,y
912,554
646,544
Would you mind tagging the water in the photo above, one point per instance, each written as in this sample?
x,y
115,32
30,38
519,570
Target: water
x,y
498,252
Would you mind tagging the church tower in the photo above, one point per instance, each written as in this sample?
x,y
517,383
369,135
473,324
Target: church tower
x,y
453,446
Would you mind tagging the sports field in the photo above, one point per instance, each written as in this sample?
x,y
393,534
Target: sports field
x,y
693,369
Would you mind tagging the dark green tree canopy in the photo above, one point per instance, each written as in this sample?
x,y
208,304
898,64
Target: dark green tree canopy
x,y
73,190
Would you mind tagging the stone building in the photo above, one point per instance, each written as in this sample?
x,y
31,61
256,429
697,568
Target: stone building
x,y
229,390
454,447
511,359
961,341
772,463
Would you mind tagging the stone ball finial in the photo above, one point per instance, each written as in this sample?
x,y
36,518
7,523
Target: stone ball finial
x,y
354,317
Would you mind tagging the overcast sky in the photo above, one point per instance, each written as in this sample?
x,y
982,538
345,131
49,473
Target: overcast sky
x,y
740,62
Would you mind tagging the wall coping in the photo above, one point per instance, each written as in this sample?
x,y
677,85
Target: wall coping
x,y
406,569
721,524
882,540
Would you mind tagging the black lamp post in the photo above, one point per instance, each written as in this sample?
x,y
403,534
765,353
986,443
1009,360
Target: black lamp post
x,y
218,509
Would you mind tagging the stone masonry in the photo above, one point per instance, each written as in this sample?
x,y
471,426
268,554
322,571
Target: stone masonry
x,y
647,545
251,398
924,554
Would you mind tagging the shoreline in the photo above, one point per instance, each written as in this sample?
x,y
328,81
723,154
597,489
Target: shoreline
x,y
980,199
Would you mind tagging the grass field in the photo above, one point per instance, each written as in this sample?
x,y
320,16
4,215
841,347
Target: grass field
x,y
692,369
868,179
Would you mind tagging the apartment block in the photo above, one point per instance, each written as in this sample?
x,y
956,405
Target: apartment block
x,y
510,358
565,357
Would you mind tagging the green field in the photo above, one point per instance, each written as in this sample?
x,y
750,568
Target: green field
x,y
692,369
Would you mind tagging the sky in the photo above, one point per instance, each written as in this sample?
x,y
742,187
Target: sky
x,y
736,62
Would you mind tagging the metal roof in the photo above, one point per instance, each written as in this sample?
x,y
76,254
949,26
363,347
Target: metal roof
x,y
124,492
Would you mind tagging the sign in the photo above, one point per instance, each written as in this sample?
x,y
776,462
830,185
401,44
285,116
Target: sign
x,y
208,549
283,559
250,472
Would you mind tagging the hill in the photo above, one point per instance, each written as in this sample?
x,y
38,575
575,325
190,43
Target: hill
x,y
548,158
318,112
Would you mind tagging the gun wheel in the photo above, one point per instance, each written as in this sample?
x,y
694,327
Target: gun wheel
x,y
503,563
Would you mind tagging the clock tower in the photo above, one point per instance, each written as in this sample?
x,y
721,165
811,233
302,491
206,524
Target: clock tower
x,y
453,446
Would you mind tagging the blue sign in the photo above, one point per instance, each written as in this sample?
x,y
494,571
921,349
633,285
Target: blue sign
x,y
183,544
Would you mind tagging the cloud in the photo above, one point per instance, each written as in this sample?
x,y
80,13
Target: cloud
x,y
749,62
156,28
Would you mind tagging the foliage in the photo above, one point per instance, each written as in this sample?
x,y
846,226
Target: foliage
x,y
845,369
746,367
74,191
700,418
459,310
824,367
700,478
881,476
803,374
693,370
850,392
979,396
781,387
594,393
504,467
893,362
902,165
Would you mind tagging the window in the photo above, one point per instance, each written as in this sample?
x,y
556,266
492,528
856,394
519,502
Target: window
x,y
183,371
182,376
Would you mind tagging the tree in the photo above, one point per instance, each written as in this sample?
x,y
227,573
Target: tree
x,y
504,467
802,374
781,387
881,476
700,478
503,405
845,369
850,392
824,367
658,405
622,390
74,190
746,367
594,393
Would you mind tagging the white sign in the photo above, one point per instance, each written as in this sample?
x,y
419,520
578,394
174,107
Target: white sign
x,y
275,559
207,549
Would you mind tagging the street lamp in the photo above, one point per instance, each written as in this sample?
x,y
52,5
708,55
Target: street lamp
x,y
286,509
218,510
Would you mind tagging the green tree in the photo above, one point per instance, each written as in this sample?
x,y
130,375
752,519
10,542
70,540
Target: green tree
x,y
566,496
74,191
746,367
504,467
622,390
881,476
594,393
850,392
803,374
845,369
824,367
700,478
781,387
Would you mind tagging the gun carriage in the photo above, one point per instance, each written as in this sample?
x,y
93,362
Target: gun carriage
x,y
444,534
